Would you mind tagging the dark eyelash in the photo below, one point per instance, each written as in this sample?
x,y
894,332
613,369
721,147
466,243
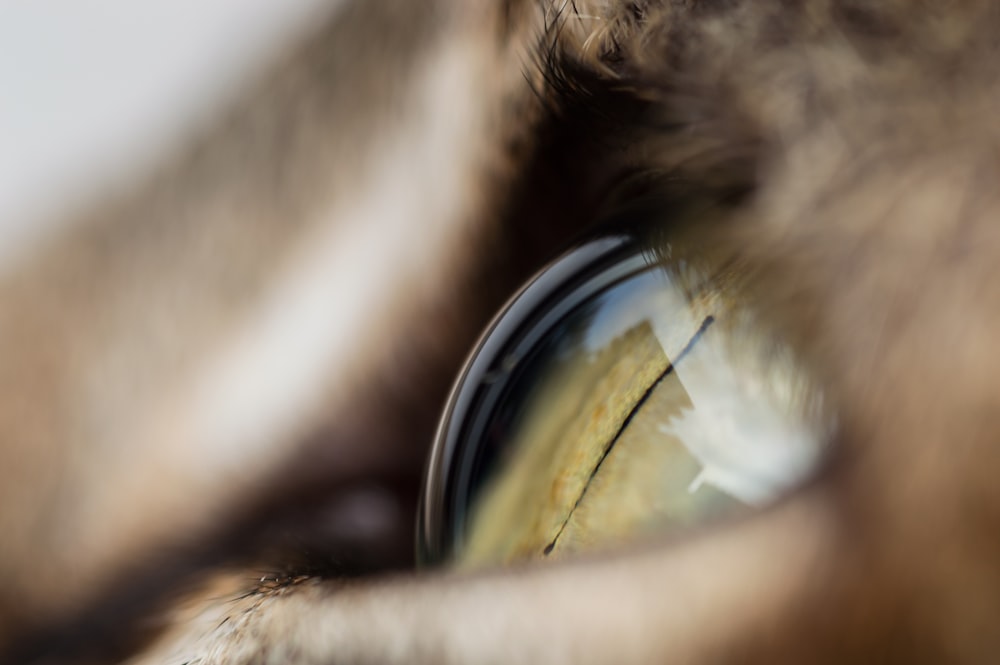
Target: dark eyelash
x,y
657,144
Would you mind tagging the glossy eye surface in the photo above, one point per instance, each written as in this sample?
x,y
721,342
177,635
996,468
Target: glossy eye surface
x,y
628,390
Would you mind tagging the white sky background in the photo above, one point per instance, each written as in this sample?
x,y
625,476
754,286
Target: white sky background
x,y
91,90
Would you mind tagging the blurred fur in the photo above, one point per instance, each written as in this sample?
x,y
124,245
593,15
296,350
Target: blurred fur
x,y
848,150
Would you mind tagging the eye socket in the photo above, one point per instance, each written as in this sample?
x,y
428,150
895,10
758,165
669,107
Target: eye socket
x,y
627,390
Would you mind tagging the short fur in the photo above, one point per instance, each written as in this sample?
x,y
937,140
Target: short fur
x,y
848,150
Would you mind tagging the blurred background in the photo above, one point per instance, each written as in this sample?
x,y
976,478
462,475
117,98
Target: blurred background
x,y
93,90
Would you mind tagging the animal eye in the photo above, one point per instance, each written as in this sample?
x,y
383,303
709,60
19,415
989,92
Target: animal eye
x,y
627,390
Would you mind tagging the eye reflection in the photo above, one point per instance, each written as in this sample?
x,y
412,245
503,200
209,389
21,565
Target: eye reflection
x,y
618,396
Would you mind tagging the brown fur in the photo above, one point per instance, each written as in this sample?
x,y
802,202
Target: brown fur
x,y
847,150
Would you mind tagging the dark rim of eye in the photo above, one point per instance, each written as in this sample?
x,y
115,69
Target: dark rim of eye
x,y
463,445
